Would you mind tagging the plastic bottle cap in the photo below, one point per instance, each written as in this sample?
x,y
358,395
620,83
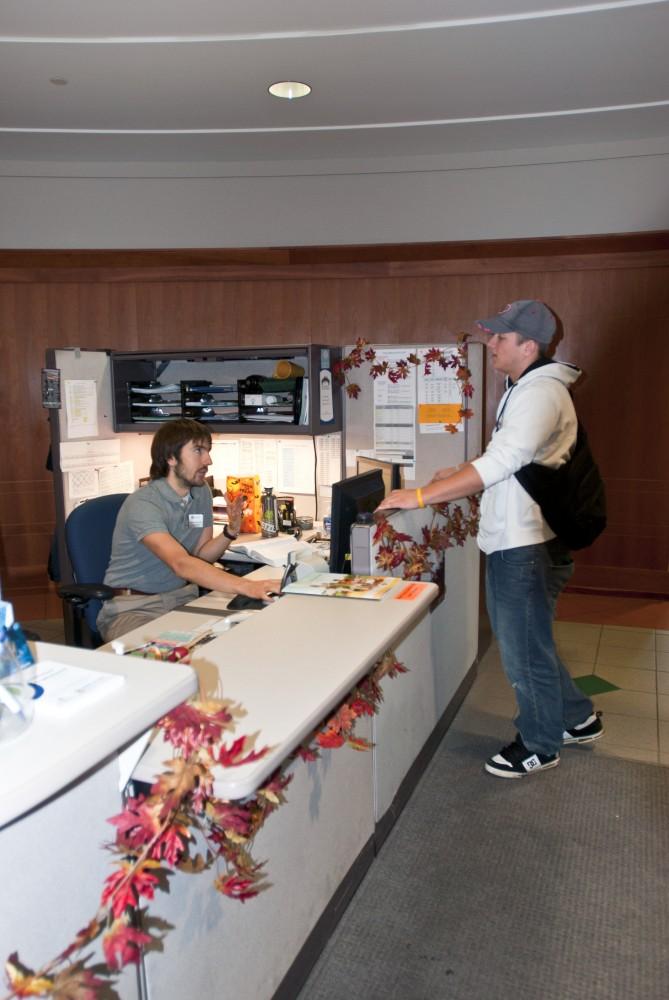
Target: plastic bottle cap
x,y
365,518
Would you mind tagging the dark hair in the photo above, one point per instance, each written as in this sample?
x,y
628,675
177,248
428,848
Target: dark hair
x,y
543,348
170,439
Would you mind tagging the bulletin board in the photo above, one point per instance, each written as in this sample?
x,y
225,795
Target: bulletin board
x,y
413,415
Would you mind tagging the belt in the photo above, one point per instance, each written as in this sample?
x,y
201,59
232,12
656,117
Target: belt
x,y
130,592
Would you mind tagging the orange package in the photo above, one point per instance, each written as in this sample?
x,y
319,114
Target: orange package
x,y
250,487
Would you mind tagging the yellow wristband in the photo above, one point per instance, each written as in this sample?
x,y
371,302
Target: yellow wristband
x,y
419,496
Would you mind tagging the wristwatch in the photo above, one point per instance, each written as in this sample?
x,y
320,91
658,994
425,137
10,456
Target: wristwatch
x,y
230,537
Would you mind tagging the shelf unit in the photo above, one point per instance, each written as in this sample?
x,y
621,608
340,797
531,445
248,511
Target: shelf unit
x,y
149,388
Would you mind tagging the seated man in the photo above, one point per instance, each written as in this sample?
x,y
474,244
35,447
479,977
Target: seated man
x,y
163,544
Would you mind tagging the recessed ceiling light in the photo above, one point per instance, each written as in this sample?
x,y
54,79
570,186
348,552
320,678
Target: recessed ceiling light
x,y
289,89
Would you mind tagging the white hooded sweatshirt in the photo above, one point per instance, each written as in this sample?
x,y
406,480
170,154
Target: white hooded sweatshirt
x,y
536,422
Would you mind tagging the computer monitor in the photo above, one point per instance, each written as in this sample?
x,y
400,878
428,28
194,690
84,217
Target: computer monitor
x,y
357,495
392,471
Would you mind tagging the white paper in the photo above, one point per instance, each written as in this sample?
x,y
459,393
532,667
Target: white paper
x,y
268,468
224,460
395,414
82,483
326,394
296,467
68,689
304,408
81,407
439,388
258,457
116,478
89,454
328,458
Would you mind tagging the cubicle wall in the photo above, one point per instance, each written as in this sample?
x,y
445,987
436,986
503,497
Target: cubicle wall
x,y
438,659
52,870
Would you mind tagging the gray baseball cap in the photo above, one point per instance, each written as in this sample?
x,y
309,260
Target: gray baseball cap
x,y
530,318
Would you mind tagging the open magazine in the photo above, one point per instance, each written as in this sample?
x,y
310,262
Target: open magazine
x,y
365,588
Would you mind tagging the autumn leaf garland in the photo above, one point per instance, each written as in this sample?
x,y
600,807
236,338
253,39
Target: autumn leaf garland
x,y
398,371
159,833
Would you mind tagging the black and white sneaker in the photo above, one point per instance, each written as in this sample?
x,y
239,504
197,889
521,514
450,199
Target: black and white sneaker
x,y
587,732
516,761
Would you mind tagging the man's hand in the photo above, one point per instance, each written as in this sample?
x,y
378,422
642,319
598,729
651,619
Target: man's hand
x,y
235,506
263,590
449,484
400,500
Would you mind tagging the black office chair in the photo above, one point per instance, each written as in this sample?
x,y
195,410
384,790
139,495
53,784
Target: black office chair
x,y
88,537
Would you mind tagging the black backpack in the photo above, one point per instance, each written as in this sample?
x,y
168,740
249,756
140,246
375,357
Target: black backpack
x,y
571,498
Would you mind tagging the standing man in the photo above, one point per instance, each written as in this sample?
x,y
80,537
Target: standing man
x,y
526,565
163,544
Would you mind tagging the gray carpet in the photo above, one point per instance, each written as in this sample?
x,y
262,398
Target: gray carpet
x,y
552,887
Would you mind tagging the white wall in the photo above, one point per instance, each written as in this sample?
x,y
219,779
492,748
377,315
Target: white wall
x,y
596,189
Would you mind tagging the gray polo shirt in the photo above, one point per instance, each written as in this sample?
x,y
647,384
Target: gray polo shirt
x,y
155,507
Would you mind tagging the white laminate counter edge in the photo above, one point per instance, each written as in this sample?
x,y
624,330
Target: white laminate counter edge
x,y
288,667
51,754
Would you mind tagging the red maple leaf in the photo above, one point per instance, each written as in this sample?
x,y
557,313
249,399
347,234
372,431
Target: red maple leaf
x,y
362,707
236,887
386,559
124,886
122,944
230,816
189,725
433,354
138,823
170,845
231,756
330,739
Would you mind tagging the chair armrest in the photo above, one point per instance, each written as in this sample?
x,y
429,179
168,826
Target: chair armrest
x,y
80,593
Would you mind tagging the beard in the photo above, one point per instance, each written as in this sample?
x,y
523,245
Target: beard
x,y
196,480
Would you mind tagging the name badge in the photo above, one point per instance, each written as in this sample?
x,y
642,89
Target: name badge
x,y
196,520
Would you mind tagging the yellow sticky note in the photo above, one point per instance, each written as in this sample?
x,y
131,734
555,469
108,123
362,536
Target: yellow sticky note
x,y
439,413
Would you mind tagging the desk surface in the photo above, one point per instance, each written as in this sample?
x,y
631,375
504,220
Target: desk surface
x,y
51,753
288,666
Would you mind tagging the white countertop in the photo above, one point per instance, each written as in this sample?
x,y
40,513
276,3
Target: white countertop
x,y
288,666
52,752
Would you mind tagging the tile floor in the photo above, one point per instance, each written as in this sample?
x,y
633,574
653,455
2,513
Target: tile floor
x,y
602,640
598,644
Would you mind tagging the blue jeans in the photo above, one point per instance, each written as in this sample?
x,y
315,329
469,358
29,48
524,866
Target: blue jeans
x,y
522,588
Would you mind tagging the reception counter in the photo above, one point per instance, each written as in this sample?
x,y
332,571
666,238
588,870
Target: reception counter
x,y
288,666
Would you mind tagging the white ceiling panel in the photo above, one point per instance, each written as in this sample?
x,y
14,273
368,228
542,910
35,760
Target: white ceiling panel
x,y
166,81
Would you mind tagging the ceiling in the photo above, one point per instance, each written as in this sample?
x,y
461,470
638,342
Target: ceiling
x,y
163,81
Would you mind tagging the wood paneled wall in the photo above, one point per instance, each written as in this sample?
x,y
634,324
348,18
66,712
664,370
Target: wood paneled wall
x,y
611,293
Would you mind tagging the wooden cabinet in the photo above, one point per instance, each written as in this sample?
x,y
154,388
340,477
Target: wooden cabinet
x,y
287,390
